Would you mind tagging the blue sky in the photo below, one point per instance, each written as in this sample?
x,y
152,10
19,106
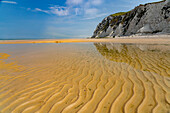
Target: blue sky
x,y
31,19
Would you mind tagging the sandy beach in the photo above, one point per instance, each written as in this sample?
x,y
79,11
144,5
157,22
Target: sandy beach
x,y
165,39
99,77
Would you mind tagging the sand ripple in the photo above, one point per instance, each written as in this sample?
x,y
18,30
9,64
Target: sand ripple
x,y
99,78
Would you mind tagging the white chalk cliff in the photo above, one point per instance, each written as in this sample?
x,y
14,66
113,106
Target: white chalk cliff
x,y
150,18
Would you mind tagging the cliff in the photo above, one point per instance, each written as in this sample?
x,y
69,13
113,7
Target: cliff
x,y
151,18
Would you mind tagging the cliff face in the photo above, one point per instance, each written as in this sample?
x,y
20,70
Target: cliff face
x,y
151,18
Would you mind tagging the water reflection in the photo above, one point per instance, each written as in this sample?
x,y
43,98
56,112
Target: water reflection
x,y
152,58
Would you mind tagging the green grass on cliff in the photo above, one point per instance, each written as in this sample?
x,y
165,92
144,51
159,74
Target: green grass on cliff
x,y
120,13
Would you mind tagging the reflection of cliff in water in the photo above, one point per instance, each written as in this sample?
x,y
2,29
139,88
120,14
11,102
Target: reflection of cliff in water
x,y
152,58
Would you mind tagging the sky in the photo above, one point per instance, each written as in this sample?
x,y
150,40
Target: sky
x,y
57,19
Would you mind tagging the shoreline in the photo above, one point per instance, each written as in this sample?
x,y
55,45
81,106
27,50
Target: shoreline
x,y
158,39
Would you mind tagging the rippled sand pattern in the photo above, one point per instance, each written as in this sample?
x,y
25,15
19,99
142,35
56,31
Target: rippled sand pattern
x,y
84,78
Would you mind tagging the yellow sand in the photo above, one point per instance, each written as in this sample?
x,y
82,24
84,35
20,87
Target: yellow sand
x,y
114,40
85,78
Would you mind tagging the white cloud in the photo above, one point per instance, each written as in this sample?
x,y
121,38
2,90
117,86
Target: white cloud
x,y
91,11
74,7
57,10
9,2
96,2
60,11
77,10
40,10
92,3
28,9
74,2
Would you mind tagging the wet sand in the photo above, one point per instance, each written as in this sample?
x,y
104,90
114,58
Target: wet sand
x,y
85,78
145,40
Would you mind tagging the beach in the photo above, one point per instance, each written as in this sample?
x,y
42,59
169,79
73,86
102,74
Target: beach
x,y
85,76
155,39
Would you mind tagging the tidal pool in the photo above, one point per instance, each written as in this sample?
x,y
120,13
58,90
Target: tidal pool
x,y
84,78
